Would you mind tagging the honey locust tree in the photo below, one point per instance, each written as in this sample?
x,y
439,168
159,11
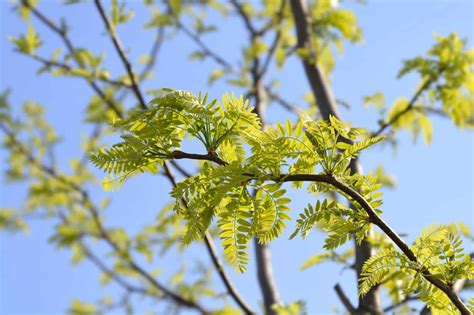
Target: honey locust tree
x,y
239,189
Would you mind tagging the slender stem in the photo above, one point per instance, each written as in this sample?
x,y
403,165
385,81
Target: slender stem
x,y
225,278
207,157
118,47
155,49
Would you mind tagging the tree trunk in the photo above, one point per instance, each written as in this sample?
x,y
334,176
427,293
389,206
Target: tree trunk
x,y
325,100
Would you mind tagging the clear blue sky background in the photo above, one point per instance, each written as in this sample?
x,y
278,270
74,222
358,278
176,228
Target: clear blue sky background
x,y
435,182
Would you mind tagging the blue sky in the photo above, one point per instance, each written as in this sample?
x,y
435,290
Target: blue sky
x,y
435,182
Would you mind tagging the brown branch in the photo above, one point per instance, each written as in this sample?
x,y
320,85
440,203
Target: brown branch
x,y
209,241
373,217
430,110
344,299
224,277
118,47
248,24
270,293
180,169
378,221
154,51
319,86
457,288
207,157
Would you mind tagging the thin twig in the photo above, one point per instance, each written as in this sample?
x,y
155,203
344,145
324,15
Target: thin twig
x,y
180,169
64,66
205,49
281,101
248,24
118,47
155,49
409,107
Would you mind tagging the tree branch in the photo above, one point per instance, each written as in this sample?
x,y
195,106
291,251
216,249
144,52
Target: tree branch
x,y
118,47
248,24
373,217
155,49
210,242
344,299
139,96
177,154
231,290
